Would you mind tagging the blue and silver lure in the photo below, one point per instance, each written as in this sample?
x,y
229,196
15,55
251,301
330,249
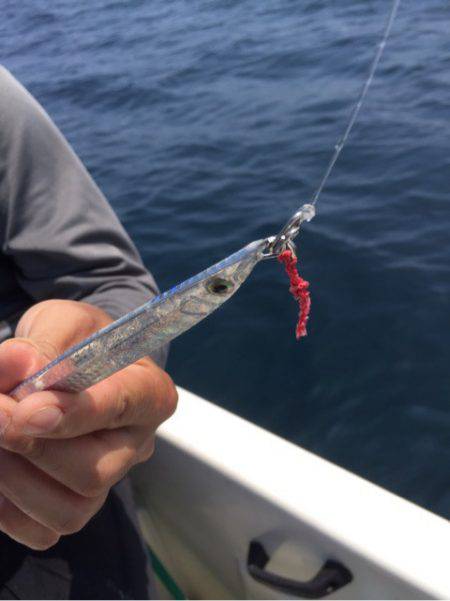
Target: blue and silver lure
x,y
159,321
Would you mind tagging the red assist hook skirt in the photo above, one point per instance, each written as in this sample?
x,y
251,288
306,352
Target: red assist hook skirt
x,y
298,289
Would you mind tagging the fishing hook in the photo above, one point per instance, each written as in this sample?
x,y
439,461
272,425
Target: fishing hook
x,y
285,238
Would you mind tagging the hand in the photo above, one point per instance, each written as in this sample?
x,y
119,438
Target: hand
x,y
61,452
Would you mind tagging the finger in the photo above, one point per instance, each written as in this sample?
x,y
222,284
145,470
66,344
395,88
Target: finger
x,y
106,457
55,325
43,499
141,394
23,529
43,333
19,359
91,464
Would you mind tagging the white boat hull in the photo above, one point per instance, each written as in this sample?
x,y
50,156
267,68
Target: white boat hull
x,y
217,482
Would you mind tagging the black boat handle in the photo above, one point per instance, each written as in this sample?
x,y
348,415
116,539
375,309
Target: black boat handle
x,y
331,576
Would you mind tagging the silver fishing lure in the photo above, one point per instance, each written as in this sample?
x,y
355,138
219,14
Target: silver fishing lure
x,y
167,316
146,328
159,321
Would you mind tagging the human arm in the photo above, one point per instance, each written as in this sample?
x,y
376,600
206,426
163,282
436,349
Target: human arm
x,y
60,239
57,230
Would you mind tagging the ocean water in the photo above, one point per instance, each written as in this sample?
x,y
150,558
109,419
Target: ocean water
x,y
206,124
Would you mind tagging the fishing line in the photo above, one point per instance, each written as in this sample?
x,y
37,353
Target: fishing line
x,y
282,245
355,111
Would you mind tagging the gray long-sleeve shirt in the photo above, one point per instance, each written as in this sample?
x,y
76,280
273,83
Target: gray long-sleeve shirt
x,y
59,238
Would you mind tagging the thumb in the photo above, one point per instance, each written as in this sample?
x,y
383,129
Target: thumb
x,y
19,359
44,332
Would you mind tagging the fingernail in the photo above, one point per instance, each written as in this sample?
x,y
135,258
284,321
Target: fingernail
x,y
4,421
44,420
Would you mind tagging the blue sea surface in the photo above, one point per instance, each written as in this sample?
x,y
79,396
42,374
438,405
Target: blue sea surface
x,y
206,124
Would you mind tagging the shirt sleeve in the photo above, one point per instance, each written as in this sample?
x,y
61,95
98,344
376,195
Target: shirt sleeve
x,y
56,226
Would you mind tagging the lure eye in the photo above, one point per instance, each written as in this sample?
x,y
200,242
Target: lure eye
x,y
219,286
